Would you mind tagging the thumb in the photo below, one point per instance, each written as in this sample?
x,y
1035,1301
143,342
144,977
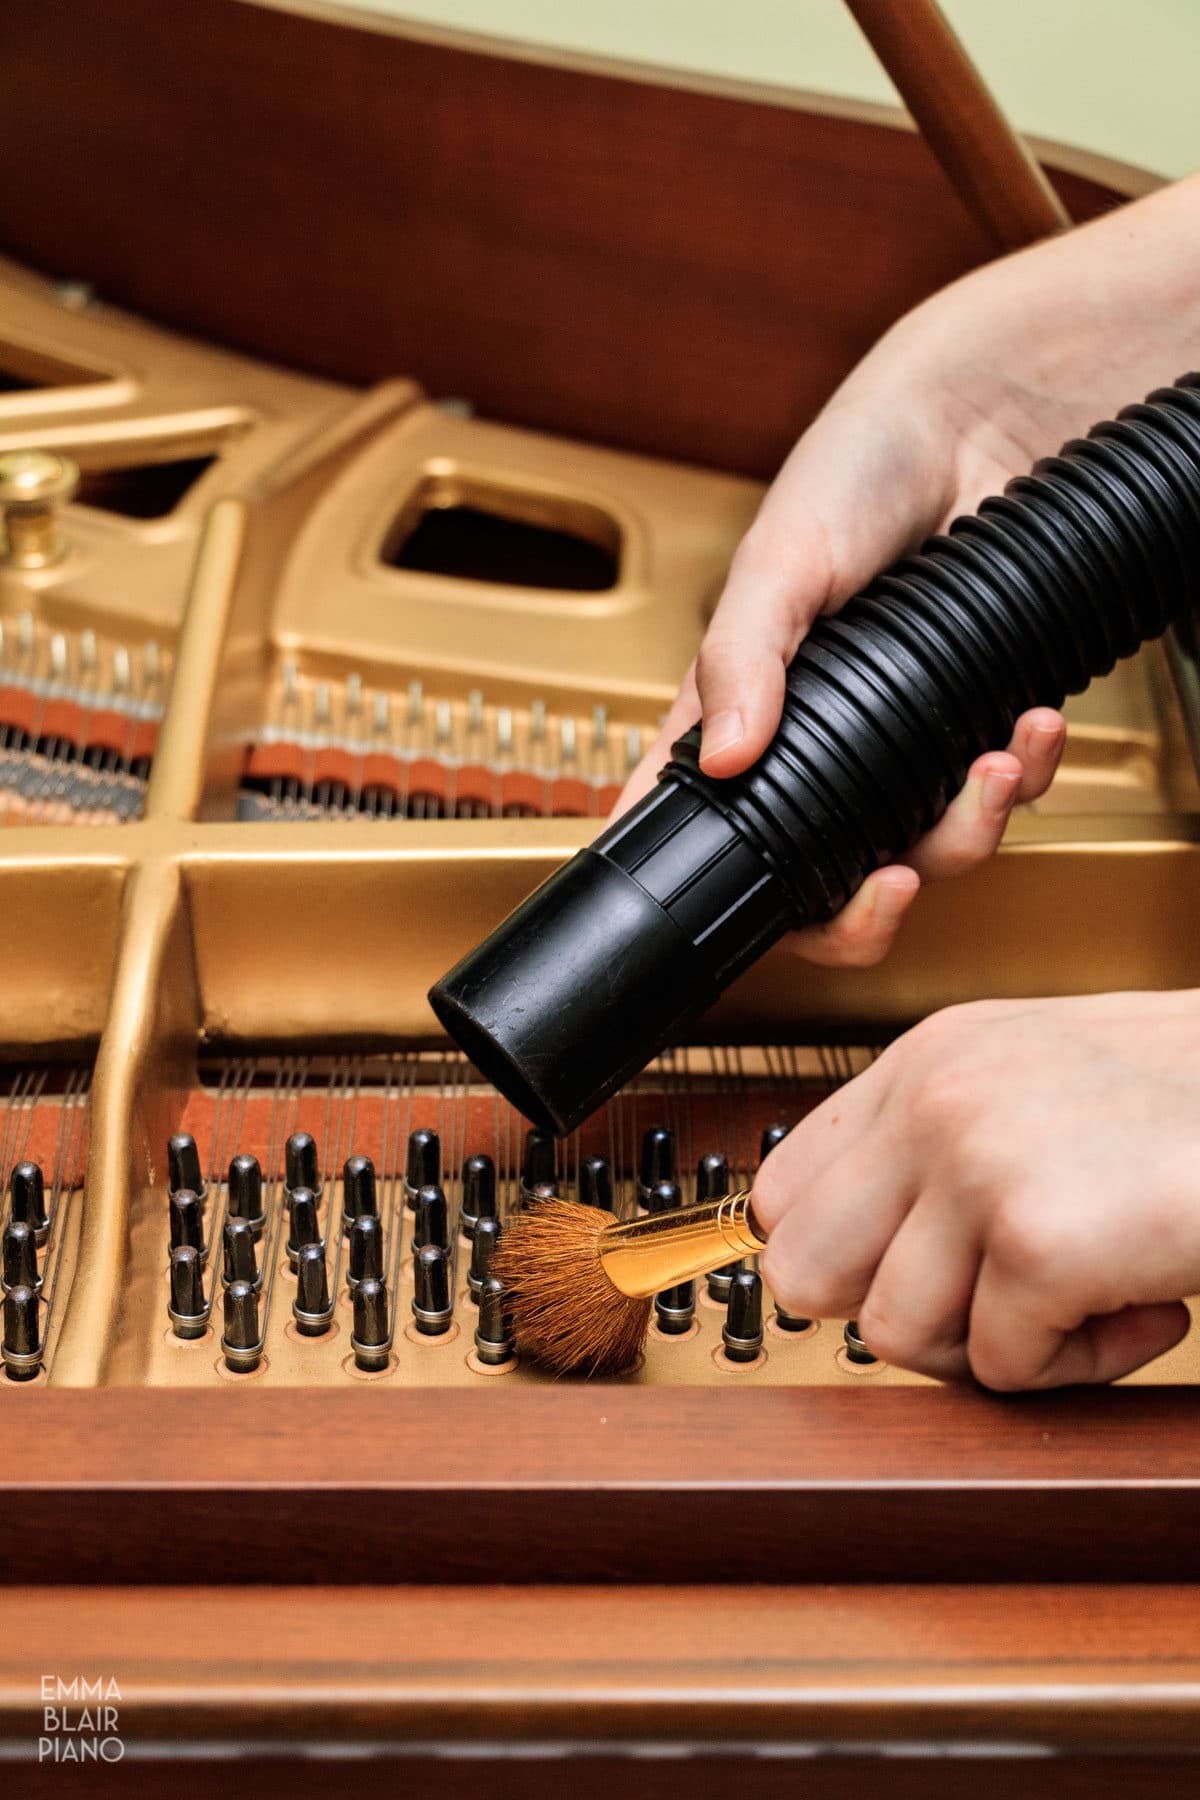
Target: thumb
x,y
778,582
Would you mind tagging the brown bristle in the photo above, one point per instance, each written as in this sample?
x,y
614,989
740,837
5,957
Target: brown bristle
x,y
566,1313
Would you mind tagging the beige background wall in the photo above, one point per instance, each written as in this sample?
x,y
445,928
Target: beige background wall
x,y
1118,76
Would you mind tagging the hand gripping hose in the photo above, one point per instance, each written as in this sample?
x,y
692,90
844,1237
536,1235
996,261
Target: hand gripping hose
x,y
887,705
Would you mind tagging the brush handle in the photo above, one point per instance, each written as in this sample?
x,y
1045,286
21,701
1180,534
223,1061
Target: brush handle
x,y
649,1255
886,707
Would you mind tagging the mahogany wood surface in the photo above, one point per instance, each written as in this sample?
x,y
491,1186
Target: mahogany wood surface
x,y
604,1484
491,1689
683,270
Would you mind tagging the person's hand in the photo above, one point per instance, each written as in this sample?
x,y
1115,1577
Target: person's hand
x,y
965,392
1010,1192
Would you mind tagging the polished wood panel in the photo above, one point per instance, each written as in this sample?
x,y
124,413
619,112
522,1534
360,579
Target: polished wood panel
x,y
604,1483
684,270
673,1689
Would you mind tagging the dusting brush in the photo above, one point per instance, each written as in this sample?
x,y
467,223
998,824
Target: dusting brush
x,y
581,1284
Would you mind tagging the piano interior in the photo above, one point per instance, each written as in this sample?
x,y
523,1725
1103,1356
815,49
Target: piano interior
x,y
337,666
350,671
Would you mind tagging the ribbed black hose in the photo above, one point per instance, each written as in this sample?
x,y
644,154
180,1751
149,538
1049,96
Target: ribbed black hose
x,y
887,705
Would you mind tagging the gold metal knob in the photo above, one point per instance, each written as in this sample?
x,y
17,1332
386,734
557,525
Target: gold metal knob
x,y
33,484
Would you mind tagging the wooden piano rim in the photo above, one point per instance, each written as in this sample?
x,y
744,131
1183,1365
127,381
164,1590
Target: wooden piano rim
x,y
1036,1665
600,1483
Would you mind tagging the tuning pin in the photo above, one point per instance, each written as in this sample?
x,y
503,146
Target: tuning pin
x,y
483,1244
240,1262
742,1333
183,1165
479,1193
545,1190
22,1347
493,1332
712,1181
657,1162
359,1197
240,1344
856,1349
432,1302
246,1192
187,1311
423,1166
596,1183
20,1263
664,1196
370,1340
675,1308
28,1193
187,1225
774,1134
431,1223
311,1308
301,1164
537,1169
786,1321
302,1217
366,1249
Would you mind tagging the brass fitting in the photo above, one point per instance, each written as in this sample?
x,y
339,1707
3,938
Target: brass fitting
x,y
648,1255
33,484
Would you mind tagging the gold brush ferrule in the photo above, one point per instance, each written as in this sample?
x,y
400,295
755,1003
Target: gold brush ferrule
x,y
648,1255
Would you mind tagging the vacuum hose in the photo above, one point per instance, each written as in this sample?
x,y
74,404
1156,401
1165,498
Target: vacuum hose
x,y
887,706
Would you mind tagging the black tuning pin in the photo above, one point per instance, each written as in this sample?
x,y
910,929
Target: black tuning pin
x,y
240,1343
742,1333
423,1167
596,1183
237,1242
28,1193
303,1225
712,1181
537,1167
370,1340
774,1134
856,1349
187,1311
366,1249
479,1193
483,1244
183,1165
664,1196
432,1223
359,1197
312,1309
657,1160
246,1193
187,1223
675,1308
301,1164
432,1302
20,1263
493,1332
22,1346
786,1321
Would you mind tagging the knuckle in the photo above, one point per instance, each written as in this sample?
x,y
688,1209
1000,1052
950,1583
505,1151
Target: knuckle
x,y
1031,1240
992,1369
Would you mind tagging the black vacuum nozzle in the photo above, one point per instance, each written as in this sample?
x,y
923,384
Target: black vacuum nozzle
x,y
887,705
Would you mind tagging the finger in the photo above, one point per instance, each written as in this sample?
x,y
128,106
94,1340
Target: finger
x,y
778,582
683,714
972,826
1038,740
864,931
831,1198
1012,1345
917,1309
